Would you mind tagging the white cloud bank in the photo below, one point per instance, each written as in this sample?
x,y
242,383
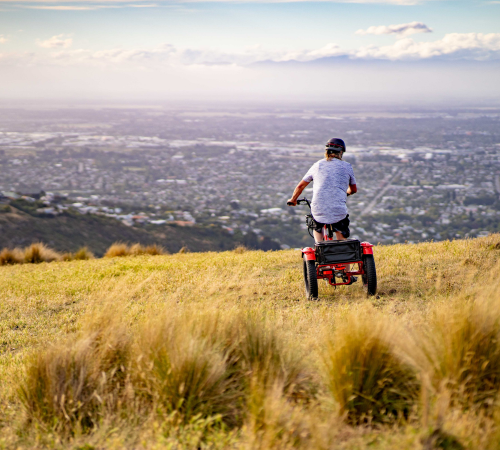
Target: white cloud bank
x,y
403,29
3,39
59,41
455,46
123,3
464,46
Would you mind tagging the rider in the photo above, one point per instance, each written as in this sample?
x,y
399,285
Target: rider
x,y
333,181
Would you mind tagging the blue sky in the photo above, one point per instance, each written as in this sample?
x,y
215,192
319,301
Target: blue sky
x,y
46,43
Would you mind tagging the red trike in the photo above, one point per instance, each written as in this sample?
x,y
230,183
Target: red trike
x,y
333,260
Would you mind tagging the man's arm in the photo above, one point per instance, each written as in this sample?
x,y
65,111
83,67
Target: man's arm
x,y
296,193
352,189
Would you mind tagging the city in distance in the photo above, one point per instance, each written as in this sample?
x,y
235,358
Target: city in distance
x,y
421,174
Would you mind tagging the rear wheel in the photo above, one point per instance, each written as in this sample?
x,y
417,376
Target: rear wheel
x,y
370,275
310,279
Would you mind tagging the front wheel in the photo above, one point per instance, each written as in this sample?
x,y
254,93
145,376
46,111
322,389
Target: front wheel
x,y
310,279
370,275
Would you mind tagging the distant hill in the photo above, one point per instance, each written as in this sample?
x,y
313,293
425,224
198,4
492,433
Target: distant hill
x,y
69,231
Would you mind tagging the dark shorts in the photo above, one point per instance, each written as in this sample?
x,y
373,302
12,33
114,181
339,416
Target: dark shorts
x,y
342,226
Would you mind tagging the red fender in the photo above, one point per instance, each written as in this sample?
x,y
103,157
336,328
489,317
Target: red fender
x,y
367,248
310,253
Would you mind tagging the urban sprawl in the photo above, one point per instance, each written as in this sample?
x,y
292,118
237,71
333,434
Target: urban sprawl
x,y
420,175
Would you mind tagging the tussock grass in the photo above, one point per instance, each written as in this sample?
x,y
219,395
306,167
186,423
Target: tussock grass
x,y
71,387
273,422
185,373
462,346
365,372
82,254
121,249
38,252
34,254
11,256
116,250
220,351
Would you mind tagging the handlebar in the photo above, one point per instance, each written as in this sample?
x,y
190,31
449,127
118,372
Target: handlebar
x,y
300,201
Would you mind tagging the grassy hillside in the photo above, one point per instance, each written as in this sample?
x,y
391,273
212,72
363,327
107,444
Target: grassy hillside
x,y
221,350
70,231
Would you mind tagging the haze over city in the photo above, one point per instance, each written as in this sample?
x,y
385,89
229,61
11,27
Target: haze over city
x,y
399,51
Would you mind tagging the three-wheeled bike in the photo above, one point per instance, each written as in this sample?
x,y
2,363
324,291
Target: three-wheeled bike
x,y
336,261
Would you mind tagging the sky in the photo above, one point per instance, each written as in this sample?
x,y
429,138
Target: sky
x,y
415,51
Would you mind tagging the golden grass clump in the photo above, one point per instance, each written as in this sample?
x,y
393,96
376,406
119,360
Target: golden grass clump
x,y
462,347
11,256
240,249
264,355
186,374
272,422
121,249
365,373
83,254
39,252
72,387
116,250
138,249
155,250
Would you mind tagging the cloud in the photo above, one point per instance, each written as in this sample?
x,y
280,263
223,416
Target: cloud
x,y
93,4
454,46
464,46
403,29
3,39
67,7
89,7
59,41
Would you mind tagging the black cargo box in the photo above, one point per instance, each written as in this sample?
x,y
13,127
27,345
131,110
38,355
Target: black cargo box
x,y
332,252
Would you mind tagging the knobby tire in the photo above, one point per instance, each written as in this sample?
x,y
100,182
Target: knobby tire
x,y
310,279
370,276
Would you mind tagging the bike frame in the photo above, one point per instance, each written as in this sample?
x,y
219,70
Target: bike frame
x,y
338,270
332,271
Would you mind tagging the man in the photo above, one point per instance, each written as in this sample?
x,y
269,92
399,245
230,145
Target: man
x,y
333,182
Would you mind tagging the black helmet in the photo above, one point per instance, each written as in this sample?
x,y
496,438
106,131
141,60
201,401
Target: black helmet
x,y
335,145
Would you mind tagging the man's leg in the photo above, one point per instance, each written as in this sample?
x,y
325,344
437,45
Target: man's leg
x,y
318,237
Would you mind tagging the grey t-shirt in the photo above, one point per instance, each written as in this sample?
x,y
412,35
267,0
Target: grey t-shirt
x,y
331,180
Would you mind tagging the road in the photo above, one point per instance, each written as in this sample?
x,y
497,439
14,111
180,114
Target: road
x,y
387,184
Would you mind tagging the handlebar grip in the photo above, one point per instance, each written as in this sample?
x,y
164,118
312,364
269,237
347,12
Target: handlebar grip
x,y
289,203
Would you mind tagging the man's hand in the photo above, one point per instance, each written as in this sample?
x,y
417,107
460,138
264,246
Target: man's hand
x,y
298,190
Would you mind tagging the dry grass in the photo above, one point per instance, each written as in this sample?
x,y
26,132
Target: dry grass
x,y
121,249
461,345
37,253
116,250
365,371
82,254
14,256
218,351
71,388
